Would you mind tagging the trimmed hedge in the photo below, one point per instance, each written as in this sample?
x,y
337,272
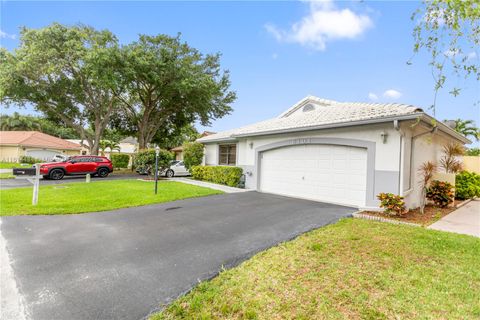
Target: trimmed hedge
x,y
144,161
30,160
120,160
467,185
226,175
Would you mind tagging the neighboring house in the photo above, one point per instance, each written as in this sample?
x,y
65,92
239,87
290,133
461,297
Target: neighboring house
x,y
128,145
336,152
178,151
83,144
15,144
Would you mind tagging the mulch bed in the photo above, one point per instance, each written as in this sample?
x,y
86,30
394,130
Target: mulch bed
x,y
430,215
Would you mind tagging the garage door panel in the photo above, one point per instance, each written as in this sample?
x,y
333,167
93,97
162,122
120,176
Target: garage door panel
x,y
45,155
320,172
340,164
357,180
358,164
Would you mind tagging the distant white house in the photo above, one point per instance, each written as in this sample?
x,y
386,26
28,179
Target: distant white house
x,y
337,152
128,145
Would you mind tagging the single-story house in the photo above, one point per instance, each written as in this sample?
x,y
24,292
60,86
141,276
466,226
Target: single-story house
x,y
128,146
15,144
83,144
337,152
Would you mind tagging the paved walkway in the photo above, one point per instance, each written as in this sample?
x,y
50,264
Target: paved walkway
x,y
210,185
465,220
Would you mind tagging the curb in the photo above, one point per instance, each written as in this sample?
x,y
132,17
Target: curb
x,y
358,215
461,204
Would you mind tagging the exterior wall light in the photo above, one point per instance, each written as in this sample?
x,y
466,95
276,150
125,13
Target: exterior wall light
x,y
251,145
384,136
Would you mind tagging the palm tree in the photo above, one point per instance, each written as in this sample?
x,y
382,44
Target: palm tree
x,y
108,144
18,122
467,128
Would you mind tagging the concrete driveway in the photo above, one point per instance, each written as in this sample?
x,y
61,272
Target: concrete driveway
x,y
124,264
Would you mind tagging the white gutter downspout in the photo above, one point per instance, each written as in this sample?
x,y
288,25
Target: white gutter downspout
x,y
400,160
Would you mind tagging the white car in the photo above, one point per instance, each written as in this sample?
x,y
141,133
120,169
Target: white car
x,y
177,168
59,158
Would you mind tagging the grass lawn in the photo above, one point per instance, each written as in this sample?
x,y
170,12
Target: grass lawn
x,y
10,165
95,196
6,176
354,269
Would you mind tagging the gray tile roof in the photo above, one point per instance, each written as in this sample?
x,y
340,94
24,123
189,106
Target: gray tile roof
x,y
326,112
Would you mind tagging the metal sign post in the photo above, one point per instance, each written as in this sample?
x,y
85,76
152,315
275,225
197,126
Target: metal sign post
x,y
157,152
33,176
36,185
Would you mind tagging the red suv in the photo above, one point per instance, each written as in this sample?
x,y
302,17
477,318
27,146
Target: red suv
x,y
77,165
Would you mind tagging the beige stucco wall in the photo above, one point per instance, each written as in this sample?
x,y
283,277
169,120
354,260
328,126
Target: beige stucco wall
x,y
70,152
179,155
10,153
471,163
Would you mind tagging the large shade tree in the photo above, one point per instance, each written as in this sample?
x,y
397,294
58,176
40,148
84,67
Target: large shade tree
x,y
166,84
66,73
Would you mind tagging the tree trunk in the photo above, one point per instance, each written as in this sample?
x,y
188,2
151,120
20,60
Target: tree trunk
x,y
141,138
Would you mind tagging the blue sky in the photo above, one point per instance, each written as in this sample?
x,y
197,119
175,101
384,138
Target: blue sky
x,y
277,52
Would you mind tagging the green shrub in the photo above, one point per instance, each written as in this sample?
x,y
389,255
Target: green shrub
x,y
393,204
192,154
473,152
441,193
120,160
30,160
226,175
144,161
467,185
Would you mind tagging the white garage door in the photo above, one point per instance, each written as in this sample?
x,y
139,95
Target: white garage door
x,y
45,155
336,174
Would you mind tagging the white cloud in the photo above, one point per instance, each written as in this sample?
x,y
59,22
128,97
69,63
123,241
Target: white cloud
x,y
324,23
451,53
274,56
392,94
3,35
372,96
455,52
